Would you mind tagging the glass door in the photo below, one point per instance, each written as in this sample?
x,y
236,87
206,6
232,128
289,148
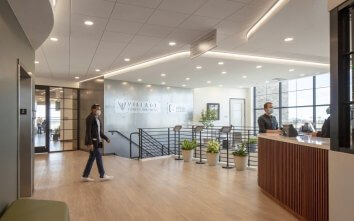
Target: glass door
x,y
63,128
41,120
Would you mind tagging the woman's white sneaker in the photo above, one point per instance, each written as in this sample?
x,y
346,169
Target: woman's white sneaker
x,y
87,179
106,178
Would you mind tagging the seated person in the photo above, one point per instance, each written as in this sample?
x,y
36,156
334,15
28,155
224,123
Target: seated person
x,y
267,123
326,127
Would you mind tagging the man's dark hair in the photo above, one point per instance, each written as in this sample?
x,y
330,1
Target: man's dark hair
x,y
266,105
94,106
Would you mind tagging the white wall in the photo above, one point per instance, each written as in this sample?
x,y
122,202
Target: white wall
x,y
54,82
202,96
341,183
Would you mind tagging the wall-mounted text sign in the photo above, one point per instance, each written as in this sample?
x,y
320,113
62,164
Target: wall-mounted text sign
x,y
132,106
176,108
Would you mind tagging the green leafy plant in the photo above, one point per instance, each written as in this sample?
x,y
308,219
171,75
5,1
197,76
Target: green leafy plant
x,y
241,151
189,144
213,146
252,140
208,117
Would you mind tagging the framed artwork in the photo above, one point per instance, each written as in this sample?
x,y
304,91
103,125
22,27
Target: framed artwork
x,y
215,107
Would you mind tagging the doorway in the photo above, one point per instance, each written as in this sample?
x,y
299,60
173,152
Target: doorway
x,y
56,119
41,135
237,112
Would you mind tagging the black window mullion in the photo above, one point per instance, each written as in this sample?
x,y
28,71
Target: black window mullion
x,y
280,105
314,102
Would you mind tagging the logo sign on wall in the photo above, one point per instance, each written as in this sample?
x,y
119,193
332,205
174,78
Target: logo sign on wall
x,y
132,106
176,108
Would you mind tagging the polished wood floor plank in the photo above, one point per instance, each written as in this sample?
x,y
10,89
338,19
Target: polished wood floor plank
x,y
162,189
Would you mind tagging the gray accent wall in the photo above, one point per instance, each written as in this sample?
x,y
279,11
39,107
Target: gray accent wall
x,y
91,92
129,106
13,45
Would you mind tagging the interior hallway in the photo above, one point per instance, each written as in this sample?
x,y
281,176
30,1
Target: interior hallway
x,y
162,189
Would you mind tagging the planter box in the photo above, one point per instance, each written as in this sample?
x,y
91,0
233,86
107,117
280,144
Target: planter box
x,y
213,158
240,162
187,155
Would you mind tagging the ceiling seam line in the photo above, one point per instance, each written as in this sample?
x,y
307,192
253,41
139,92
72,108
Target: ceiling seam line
x,y
99,42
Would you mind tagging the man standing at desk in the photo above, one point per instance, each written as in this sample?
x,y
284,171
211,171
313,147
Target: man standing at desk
x,y
267,123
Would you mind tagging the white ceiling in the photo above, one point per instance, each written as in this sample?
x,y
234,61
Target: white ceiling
x,y
141,30
239,73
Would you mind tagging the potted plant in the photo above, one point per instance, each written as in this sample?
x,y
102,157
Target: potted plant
x,y
240,157
207,119
213,152
187,149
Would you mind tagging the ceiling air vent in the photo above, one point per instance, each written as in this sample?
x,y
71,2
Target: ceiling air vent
x,y
278,79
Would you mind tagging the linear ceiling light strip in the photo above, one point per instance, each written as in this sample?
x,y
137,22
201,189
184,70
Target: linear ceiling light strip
x,y
213,54
272,11
144,64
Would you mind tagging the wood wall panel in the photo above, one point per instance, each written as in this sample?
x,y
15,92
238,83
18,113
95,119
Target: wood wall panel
x,y
295,176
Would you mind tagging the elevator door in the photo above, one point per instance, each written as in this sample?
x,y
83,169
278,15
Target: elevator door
x,y
25,128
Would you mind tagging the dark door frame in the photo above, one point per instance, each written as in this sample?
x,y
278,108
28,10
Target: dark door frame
x,y
45,149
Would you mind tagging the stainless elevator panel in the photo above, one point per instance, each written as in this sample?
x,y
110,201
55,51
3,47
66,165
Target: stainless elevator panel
x,y
25,140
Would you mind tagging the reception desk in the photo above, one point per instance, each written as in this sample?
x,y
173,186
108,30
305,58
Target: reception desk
x,y
294,172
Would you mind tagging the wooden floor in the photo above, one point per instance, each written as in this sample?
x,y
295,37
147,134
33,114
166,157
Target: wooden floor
x,y
162,189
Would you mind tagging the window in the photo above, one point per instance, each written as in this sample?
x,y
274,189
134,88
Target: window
x,y
302,100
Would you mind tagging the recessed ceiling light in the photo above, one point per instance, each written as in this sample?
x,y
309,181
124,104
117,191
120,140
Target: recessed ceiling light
x,y
36,62
163,83
149,85
125,83
267,82
61,91
244,76
89,23
291,70
241,86
220,63
183,85
171,43
77,77
97,70
140,79
208,82
187,79
198,67
168,88
288,39
126,59
224,72
301,75
54,39
259,66
163,75
220,85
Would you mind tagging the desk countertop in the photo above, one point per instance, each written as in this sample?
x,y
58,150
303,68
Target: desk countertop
x,y
304,140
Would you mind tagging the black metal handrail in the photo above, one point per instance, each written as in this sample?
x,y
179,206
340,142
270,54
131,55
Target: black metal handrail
x,y
147,153
155,142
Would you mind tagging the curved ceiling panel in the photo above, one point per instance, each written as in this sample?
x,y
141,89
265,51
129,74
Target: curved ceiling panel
x,y
36,19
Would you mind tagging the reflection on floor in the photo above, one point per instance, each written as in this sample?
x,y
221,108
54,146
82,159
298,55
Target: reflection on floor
x,y
162,189
39,141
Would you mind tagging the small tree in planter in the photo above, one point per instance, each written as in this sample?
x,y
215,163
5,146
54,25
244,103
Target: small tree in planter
x,y
187,149
240,157
207,119
213,149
